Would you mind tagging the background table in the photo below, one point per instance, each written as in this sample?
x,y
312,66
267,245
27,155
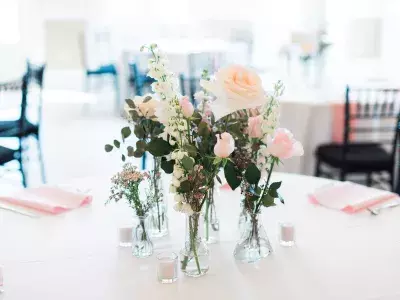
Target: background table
x,y
75,256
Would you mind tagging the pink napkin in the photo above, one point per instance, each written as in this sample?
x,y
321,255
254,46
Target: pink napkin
x,y
52,200
350,197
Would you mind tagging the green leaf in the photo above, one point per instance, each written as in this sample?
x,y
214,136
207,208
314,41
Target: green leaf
x,y
125,132
217,160
267,201
159,147
196,117
146,99
187,163
138,153
134,115
219,179
139,132
275,185
157,130
191,149
130,103
167,165
252,174
273,189
108,148
185,186
203,130
141,145
123,157
232,175
130,151
117,143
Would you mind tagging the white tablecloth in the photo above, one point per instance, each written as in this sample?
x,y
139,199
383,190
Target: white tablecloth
x,y
75,256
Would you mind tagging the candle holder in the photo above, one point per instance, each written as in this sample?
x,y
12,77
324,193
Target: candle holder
x,y
167,269
287,234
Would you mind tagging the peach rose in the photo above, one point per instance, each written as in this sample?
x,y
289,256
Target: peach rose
x,y
283,145
187,107
225,145
235,87
254,127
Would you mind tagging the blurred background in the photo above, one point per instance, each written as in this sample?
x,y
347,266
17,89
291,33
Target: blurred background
x,y
77,60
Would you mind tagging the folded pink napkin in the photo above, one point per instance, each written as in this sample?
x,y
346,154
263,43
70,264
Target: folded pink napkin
x,y
350,197
48,199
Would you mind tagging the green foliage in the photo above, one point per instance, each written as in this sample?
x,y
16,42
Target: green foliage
x,y
167,165
273,189
232,175
125,132
252,174
123,157
130,151
184,187
117,143
139,132
191,149
159,147
267,201
130,103
187,163
204,130
108,148
146,99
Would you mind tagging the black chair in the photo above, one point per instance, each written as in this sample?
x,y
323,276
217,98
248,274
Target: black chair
x,y
189,86
364,109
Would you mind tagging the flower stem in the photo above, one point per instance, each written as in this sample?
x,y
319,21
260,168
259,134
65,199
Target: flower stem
x,y
193,234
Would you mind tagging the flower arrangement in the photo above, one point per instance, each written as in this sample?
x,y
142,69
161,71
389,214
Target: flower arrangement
x,y
234,127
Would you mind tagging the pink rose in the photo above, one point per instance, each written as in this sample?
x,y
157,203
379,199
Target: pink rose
x,y
283,145
187,107
254,127
235,88
225,145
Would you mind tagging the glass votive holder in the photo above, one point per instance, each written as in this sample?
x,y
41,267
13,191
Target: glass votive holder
x,y
125,237
167,268
287,234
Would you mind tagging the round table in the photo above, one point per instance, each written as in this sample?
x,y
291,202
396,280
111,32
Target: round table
x,y
75,255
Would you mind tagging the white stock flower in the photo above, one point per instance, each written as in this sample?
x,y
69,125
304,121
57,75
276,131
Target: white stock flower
x,y
176,182
187,209
178,206
172,189
178,198
178,172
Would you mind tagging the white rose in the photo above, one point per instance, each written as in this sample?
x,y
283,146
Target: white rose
x,y
145,109
178,198
187,209
176,182
178,172
178,206
172,189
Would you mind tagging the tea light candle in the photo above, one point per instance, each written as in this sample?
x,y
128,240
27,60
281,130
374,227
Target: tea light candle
x,y
167,270
125,237
287,234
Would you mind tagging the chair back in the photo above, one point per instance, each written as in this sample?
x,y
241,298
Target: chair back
x,y
396,154
189,86
370,115
35,100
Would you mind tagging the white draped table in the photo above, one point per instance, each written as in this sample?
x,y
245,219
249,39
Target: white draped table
x,y
75,256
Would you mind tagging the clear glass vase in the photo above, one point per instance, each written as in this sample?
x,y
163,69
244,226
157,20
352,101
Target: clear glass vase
x,y
195,255
211,222
159,212
142,246
243,218
254,243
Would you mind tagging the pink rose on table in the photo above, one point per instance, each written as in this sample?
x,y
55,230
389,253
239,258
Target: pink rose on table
x,y
235,88
225,145
254,127
187,107
283,145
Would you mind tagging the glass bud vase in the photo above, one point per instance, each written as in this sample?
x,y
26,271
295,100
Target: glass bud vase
x,y
159,213
243,218
142,246
211,222
254,243
195,255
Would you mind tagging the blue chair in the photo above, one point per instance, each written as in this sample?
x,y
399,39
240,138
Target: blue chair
x,y
106,70
139,81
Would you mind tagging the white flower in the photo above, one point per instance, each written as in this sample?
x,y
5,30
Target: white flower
x,y
187,209
178,206
176,182
178,172
178,198
172,142
172,189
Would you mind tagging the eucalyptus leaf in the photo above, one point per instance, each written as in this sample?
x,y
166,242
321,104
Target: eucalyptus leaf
x,y
167,165
267,201
130,151
123,157
275,185
117,143
252,174
139,132
146,99
125,132
108,148
130,103
141,145
232,175
191,149
187,163
159,147
185,186
203,130
134,115
138,153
